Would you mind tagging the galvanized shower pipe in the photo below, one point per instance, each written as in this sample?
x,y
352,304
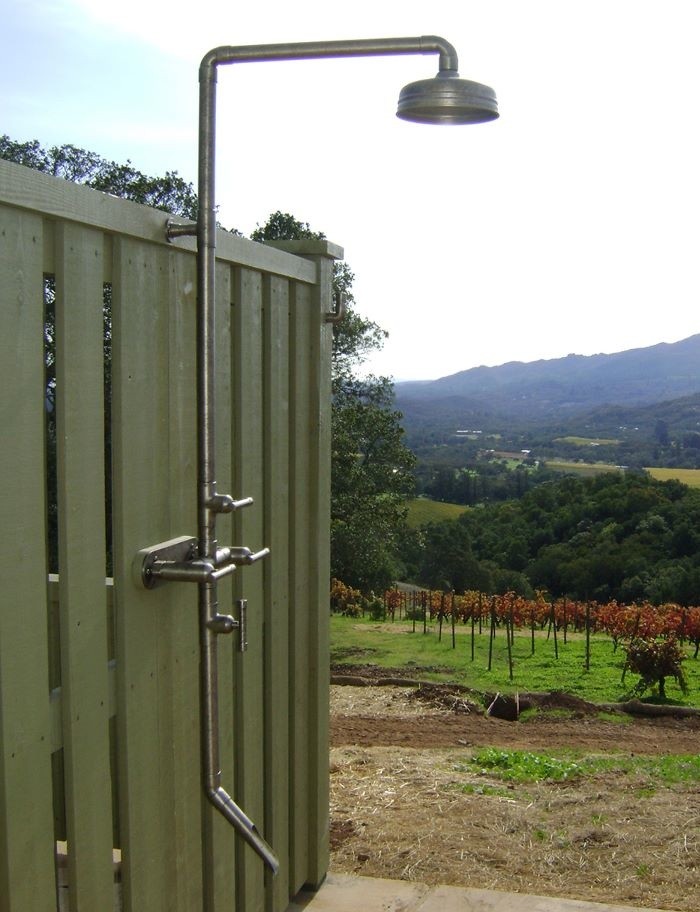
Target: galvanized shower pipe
x,y
211,503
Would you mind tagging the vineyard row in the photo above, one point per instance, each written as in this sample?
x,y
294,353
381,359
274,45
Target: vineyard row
x,y
618,621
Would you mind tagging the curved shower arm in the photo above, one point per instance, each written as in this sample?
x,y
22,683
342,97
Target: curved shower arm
x,y
308,50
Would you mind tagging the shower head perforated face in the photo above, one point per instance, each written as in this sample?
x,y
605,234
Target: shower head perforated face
x,y
447,99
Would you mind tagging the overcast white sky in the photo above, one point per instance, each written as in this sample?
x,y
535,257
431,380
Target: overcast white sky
x,y
569,225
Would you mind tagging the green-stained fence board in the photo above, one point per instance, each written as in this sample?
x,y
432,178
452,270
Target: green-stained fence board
x,y
318,694
143,502
301,421
247,453
276,593
221,843
178,650
82,550
26,818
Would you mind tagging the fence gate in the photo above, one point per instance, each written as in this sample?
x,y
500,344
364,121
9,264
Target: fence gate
x,y
101,803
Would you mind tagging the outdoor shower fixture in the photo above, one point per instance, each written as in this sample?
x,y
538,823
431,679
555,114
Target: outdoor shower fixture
x,y
444,99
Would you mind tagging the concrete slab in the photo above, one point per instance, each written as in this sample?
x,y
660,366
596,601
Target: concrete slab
x,y
347,893
456,899
343,893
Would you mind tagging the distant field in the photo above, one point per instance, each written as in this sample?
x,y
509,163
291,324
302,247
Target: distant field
x,y
588,441
581,468
690,477
421,510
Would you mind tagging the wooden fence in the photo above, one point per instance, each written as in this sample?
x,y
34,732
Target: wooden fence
x,y
99,707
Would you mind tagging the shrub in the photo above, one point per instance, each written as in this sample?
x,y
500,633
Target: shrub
x,y
344,599
376,608
654,660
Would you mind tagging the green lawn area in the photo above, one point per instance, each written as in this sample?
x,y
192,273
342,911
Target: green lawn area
x,y
422,510
427,657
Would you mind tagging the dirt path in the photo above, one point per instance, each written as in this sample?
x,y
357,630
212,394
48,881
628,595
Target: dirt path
x,y
640,736
406,805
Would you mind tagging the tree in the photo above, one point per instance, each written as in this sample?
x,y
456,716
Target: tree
x,y
448,561
370,479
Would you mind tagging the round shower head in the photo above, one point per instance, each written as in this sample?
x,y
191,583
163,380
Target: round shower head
x,y
447,99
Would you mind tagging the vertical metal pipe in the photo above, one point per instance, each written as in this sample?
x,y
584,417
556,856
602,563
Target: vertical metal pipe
x,y
206,354
206,472
206,344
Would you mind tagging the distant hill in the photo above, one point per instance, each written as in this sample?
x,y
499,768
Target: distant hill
x,y
682,414
556,390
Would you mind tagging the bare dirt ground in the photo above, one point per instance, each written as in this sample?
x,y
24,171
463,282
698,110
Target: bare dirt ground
x,y
404,806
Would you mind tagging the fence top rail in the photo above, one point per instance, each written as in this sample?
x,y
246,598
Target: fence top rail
x,y
60,199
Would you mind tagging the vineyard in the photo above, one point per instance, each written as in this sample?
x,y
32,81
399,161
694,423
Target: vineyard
x,y
646,641
513,611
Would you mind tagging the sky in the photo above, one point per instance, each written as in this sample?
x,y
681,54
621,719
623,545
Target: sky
x,y
569,225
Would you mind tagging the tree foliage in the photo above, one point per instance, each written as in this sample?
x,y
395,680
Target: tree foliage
x,y
371,477
616,536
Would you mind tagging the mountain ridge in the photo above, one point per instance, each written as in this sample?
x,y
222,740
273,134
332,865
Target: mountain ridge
x,y
558,387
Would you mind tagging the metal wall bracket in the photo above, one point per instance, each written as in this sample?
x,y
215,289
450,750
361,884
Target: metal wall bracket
x,y
336,315
179,550
177,229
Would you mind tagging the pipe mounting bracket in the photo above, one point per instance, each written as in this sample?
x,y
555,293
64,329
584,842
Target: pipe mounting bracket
x,y
179,550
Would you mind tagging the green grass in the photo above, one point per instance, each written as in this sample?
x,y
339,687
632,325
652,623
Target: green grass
x,y
558,713
422,510
489,791
523,766
559,766
425,657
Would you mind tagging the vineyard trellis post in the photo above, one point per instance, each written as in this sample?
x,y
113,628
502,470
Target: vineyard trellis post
x,y
509,639
473,624
492,632
588,636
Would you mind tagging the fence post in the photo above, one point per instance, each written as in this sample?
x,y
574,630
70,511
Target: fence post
x,y
309,619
